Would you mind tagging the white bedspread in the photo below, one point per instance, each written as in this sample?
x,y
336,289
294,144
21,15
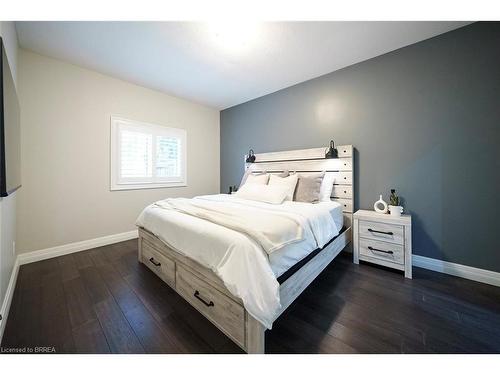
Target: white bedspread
x,y
235,255
271,229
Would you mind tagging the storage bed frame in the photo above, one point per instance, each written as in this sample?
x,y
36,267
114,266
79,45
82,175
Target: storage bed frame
x,y
206,292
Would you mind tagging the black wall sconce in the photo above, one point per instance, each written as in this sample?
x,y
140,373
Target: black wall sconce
x,y
251,157
331,153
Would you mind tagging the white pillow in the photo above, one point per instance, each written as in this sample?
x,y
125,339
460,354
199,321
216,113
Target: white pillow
x,y
263,193
325,191
244,178
260,179
289,182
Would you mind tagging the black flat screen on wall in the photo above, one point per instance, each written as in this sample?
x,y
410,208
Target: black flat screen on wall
x,y
10,130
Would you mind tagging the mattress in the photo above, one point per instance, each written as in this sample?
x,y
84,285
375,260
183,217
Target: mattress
x,y
282,259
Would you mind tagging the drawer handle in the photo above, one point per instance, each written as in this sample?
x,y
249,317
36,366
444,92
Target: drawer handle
x,y
382,251
152,260
197,295
379,231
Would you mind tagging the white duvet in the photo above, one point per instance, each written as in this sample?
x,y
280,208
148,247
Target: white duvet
x,y
234,238
272,230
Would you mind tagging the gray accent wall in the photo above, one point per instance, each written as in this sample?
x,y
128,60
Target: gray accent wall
x,y
424,119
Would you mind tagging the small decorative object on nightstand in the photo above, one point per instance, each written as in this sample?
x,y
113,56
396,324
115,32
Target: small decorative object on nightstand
x,y
383,239
394,207
378,204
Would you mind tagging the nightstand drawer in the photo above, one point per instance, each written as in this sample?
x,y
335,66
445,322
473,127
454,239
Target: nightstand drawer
x,y
381,250
381,231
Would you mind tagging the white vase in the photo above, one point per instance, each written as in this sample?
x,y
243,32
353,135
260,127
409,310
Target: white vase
x,y
377,204
396,211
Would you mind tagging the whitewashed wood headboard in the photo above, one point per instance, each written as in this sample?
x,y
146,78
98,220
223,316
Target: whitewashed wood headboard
x,y
313,160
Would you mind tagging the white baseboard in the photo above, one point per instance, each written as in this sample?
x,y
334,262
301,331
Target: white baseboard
x,y
51,252
455,269
9,293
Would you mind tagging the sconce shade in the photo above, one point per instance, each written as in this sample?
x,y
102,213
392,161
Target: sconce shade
x,y
250,157
331,153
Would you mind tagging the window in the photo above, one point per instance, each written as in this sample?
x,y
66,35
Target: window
x,y
146,156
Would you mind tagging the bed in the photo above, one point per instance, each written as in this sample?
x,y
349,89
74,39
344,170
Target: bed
x,y
242,274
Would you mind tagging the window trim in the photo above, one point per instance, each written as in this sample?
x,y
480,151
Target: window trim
x,y
116,184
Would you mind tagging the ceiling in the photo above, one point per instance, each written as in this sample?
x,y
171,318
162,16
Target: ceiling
x,y
221,64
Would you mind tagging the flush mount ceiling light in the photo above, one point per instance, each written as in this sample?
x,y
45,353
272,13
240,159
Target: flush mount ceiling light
x,y
234,36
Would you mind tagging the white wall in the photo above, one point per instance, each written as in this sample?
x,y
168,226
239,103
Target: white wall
x,y
65,151
8,204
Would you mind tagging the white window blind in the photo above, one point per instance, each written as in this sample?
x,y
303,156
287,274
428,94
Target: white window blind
x,y
167,159
135,154
146,155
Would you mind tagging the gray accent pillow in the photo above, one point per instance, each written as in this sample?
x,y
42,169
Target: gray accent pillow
x,y
308,187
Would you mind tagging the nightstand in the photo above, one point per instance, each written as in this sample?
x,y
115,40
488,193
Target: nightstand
x,y
383,239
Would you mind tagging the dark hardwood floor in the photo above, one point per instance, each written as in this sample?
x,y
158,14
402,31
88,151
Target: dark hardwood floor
x,y
103,301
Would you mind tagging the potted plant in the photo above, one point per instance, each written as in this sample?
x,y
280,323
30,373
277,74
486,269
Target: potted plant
x,y
394,207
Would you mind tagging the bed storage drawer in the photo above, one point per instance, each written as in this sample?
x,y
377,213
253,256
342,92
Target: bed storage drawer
x,y
381,231
381,250
224,312
163,266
